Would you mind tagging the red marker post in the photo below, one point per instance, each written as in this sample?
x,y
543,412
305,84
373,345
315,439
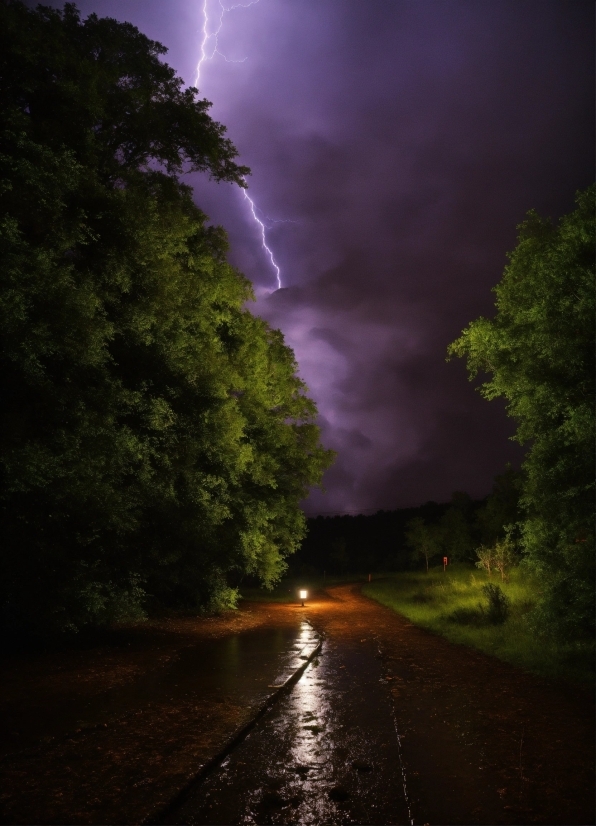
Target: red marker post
x,y
445,563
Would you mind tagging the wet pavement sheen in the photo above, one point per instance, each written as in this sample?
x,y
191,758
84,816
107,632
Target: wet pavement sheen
x,y
328,753
238,668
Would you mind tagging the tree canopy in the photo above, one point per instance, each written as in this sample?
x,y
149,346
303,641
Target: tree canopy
x,y
423,539
98,88
539,353
156,439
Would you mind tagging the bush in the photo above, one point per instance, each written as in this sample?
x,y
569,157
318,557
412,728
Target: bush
x,y
467,616
498,604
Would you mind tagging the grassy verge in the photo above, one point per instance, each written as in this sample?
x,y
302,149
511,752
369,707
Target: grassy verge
x,y
454,605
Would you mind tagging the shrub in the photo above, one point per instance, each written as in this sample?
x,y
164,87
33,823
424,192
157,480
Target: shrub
x,y
498,604
467,616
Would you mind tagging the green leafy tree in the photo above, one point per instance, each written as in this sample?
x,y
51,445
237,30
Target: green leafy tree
x,y
500,556
505,555
456,537
486,558
155,436
98,88
502,506
423,539
539,353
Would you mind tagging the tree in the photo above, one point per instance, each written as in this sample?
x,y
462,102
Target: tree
x,y
98,88
455,530
423,539
505,555
486,558
339,555
502,506
156,439
539,353
500,556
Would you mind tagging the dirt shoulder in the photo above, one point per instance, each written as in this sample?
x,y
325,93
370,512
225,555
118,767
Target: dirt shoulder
x,y
482,741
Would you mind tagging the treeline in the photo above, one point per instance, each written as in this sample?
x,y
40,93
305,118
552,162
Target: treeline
x,y
408,538
155,438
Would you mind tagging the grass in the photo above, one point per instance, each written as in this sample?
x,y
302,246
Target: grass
x,y
454,605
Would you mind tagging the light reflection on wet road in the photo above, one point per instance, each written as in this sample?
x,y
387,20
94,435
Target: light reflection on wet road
x,y
237,669
327,753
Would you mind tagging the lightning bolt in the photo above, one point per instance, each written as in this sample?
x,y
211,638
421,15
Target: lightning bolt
x,y
209,49
267,249
214,35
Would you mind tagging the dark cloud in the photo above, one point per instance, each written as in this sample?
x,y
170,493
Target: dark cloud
x,y
398,144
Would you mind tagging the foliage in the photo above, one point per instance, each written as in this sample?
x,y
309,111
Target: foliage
x,y
505,555
98,87
486,558
500,556
502,506
498,604
338,555
539,352
453,605
423,539
455,529
286,590
374,542
155,436
377,542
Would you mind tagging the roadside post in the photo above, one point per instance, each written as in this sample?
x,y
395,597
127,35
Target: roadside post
x,y
445,563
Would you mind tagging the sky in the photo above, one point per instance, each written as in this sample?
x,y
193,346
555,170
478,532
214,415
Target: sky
x,y
394,146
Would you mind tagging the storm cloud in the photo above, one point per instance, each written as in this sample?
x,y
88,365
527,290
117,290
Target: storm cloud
x,y
394,145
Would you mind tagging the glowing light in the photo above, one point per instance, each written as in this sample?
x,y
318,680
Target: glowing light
x,y
207,53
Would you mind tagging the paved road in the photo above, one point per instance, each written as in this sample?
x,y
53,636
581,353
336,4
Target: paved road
x,y
328,753
480,742
395,725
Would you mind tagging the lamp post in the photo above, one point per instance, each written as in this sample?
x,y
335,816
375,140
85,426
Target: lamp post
x,y
303,595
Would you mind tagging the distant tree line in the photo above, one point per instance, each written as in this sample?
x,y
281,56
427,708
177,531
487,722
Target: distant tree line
x,y
155,438
408,538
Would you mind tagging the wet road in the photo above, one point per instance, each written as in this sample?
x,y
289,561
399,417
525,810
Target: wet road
x,y
327,753
480,741
238,669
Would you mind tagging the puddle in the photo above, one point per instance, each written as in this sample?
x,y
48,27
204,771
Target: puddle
x,y
241,669
327,753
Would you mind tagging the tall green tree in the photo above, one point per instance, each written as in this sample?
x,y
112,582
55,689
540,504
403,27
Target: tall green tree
x,y
423,539
455,528
502,508
539,353
155,437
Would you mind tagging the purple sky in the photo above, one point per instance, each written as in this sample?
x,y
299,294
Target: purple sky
x,y
402,141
